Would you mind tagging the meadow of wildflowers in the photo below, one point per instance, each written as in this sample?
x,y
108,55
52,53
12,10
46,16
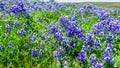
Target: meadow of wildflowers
x,y
37,34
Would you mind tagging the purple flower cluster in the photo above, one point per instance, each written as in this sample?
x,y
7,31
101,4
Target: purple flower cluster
x,y
89,39
107,27
42,36
41,52
8,29
93,60
71,27
107,55
97,44
56,30
9,23
108,50
19,8
33,37
8,26
118,19
99,64
42,43
34,52
43,6
11,46
16,24
82,55
63,60
1,6
74,17
56,54
24,26
39,19
94,63
110,39
21,32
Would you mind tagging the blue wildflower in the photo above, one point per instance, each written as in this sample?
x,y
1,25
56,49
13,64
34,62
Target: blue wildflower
x,y
72,45
62,61
89,39
18,8
2,6
9,23
59,36
87,48
33,37
42,43
64,20
104,16
61,49
41,52
70,33
73,18
21,32
42,36
15,9
109,59
16,24
30,31
81,11
107,55
53,29
106,27
97,44
27,43
99,65
111,18
89,6
93,61
10,46
110,39
24,26
80,33
20,4
8,29
34,52
109,45
82,55
56,54
118,18
39,19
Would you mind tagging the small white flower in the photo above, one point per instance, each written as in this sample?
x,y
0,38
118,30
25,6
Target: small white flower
x,y
0,27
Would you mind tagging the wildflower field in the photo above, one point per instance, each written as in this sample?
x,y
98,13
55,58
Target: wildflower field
x,y
37,34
